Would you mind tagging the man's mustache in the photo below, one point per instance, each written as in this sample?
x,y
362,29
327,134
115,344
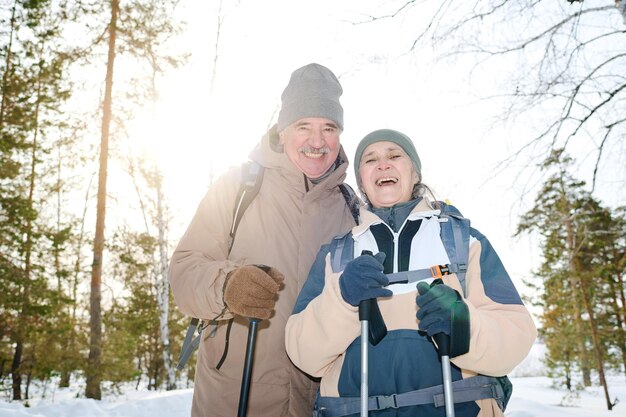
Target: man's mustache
x,y
306,149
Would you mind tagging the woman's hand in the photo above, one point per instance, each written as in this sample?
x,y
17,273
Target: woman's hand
x,y
364,279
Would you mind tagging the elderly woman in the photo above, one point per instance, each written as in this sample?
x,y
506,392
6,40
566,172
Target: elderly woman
x,y
478,306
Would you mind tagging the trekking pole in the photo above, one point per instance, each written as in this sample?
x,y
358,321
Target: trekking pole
x,y
249,360
247,368
365,307
443,348
369,311
443,342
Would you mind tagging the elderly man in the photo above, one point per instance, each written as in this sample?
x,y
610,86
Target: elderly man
x,y
302,203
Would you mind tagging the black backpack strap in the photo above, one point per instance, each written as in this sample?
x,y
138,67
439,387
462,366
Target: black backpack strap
x,y
352,201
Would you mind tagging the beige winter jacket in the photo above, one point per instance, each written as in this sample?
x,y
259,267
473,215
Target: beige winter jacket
x,y
284,227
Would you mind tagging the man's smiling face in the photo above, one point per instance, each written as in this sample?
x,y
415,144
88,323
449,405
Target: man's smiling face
x,y
312,145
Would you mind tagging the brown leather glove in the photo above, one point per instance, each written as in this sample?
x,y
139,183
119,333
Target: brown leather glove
x,y
251,292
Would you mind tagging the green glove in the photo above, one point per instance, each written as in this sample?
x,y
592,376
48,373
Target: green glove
x,y
442,310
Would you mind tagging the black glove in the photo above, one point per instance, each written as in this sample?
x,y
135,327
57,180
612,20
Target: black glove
x,y
250,291
442,310
363,279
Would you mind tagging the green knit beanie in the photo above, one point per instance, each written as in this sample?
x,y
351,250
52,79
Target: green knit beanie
x,y
387,135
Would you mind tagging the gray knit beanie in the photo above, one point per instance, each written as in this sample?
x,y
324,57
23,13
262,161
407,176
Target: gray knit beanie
x,y
387,135
313,91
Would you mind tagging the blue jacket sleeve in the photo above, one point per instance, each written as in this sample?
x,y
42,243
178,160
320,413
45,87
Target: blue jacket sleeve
x,y
496,281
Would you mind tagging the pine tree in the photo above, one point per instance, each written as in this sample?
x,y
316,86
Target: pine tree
x,y
133,317
573,226
33,90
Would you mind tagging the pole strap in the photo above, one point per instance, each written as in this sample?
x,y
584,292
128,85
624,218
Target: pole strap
x,y
190,344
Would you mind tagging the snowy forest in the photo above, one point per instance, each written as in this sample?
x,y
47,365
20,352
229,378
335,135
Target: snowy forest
x,y
87,223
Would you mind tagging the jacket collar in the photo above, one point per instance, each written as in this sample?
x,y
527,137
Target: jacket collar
x,y
423,209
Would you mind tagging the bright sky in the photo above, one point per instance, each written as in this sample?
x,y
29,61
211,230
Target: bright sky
x,y
199,131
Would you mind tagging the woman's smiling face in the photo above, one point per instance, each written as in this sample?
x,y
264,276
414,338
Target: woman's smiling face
x,y
387,175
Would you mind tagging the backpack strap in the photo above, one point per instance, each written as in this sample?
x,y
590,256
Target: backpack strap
x,y
251,179
352,201
342,246
455,235
465,390
341,251
189,344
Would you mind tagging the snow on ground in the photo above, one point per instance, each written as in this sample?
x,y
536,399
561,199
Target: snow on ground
x,y
533,396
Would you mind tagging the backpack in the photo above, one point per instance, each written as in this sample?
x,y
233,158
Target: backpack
x,y
455,235
252,178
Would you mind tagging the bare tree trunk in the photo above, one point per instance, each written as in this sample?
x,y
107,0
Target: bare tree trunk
x,y
217,42
596,343
620,331
617,290
580,330
29,378
72,313
7,67
159,269
19,347
574,282
64,379
15,370
163,291
218,31
94,373
568,373
160,265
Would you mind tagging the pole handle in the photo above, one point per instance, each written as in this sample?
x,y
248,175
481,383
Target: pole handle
x,y
443,344
441,339
246,379
369,311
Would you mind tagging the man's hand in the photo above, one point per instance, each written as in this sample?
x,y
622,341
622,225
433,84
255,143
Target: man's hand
x,y
251,292
363,279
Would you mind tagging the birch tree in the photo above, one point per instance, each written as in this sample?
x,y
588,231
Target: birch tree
x,y
154,214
